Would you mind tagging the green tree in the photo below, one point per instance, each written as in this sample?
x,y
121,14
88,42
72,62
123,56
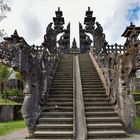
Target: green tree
x,y
4,75
19,76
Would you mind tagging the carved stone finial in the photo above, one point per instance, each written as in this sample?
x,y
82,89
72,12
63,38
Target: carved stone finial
x,y
80,26
15,33
74,44
131,24
68,26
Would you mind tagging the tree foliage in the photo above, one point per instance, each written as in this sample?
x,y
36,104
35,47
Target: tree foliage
x,y
4,8
19,76
4,74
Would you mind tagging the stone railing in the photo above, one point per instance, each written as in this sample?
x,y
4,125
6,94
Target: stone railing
x,y
117,73
33,101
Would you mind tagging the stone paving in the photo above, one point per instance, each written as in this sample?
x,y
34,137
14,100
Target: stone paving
x,y
20,135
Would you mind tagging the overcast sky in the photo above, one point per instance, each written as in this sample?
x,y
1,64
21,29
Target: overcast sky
x,y
31,17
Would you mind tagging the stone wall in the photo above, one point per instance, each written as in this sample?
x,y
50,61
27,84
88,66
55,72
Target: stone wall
x,y
10,112
138,109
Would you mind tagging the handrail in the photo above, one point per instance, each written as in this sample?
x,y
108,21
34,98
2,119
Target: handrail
x,y
114,71
74,97
81,127
101,75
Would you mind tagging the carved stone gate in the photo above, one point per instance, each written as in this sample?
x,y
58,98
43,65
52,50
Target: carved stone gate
x,y
37,64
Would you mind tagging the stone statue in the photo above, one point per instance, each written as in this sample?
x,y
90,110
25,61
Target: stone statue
x,y
49,38
99,38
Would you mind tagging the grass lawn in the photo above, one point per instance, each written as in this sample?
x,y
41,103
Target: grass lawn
x,y
7,102
137,123
8,127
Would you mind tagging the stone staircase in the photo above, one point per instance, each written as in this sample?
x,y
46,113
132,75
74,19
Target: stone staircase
x,y
56,120
101,119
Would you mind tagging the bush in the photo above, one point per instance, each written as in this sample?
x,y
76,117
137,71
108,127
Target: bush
x,y
136,91
137,123
12,92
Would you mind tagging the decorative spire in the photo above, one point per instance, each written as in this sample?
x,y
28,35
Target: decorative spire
x,y
89,20
131,24
58,8
74,44
15,33
58,19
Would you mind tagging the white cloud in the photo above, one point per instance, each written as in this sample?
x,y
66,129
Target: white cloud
x,y
31,17
117,22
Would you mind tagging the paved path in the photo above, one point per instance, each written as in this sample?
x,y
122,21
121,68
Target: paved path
x,y
20,135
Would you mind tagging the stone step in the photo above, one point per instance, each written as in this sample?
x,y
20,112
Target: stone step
x,y
97,103
104,126
55,127
107,134
61,73
103,120
61,89
84,70
96,99
60,99
102,92
101,114
93,89
63,80
57,114
92,86
91,80
94,109
57,109
62,86
90,77
59,103
58,95
65,64
88,74
63,76
62,83
92,95
65,69
55,120
61,92
54,134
